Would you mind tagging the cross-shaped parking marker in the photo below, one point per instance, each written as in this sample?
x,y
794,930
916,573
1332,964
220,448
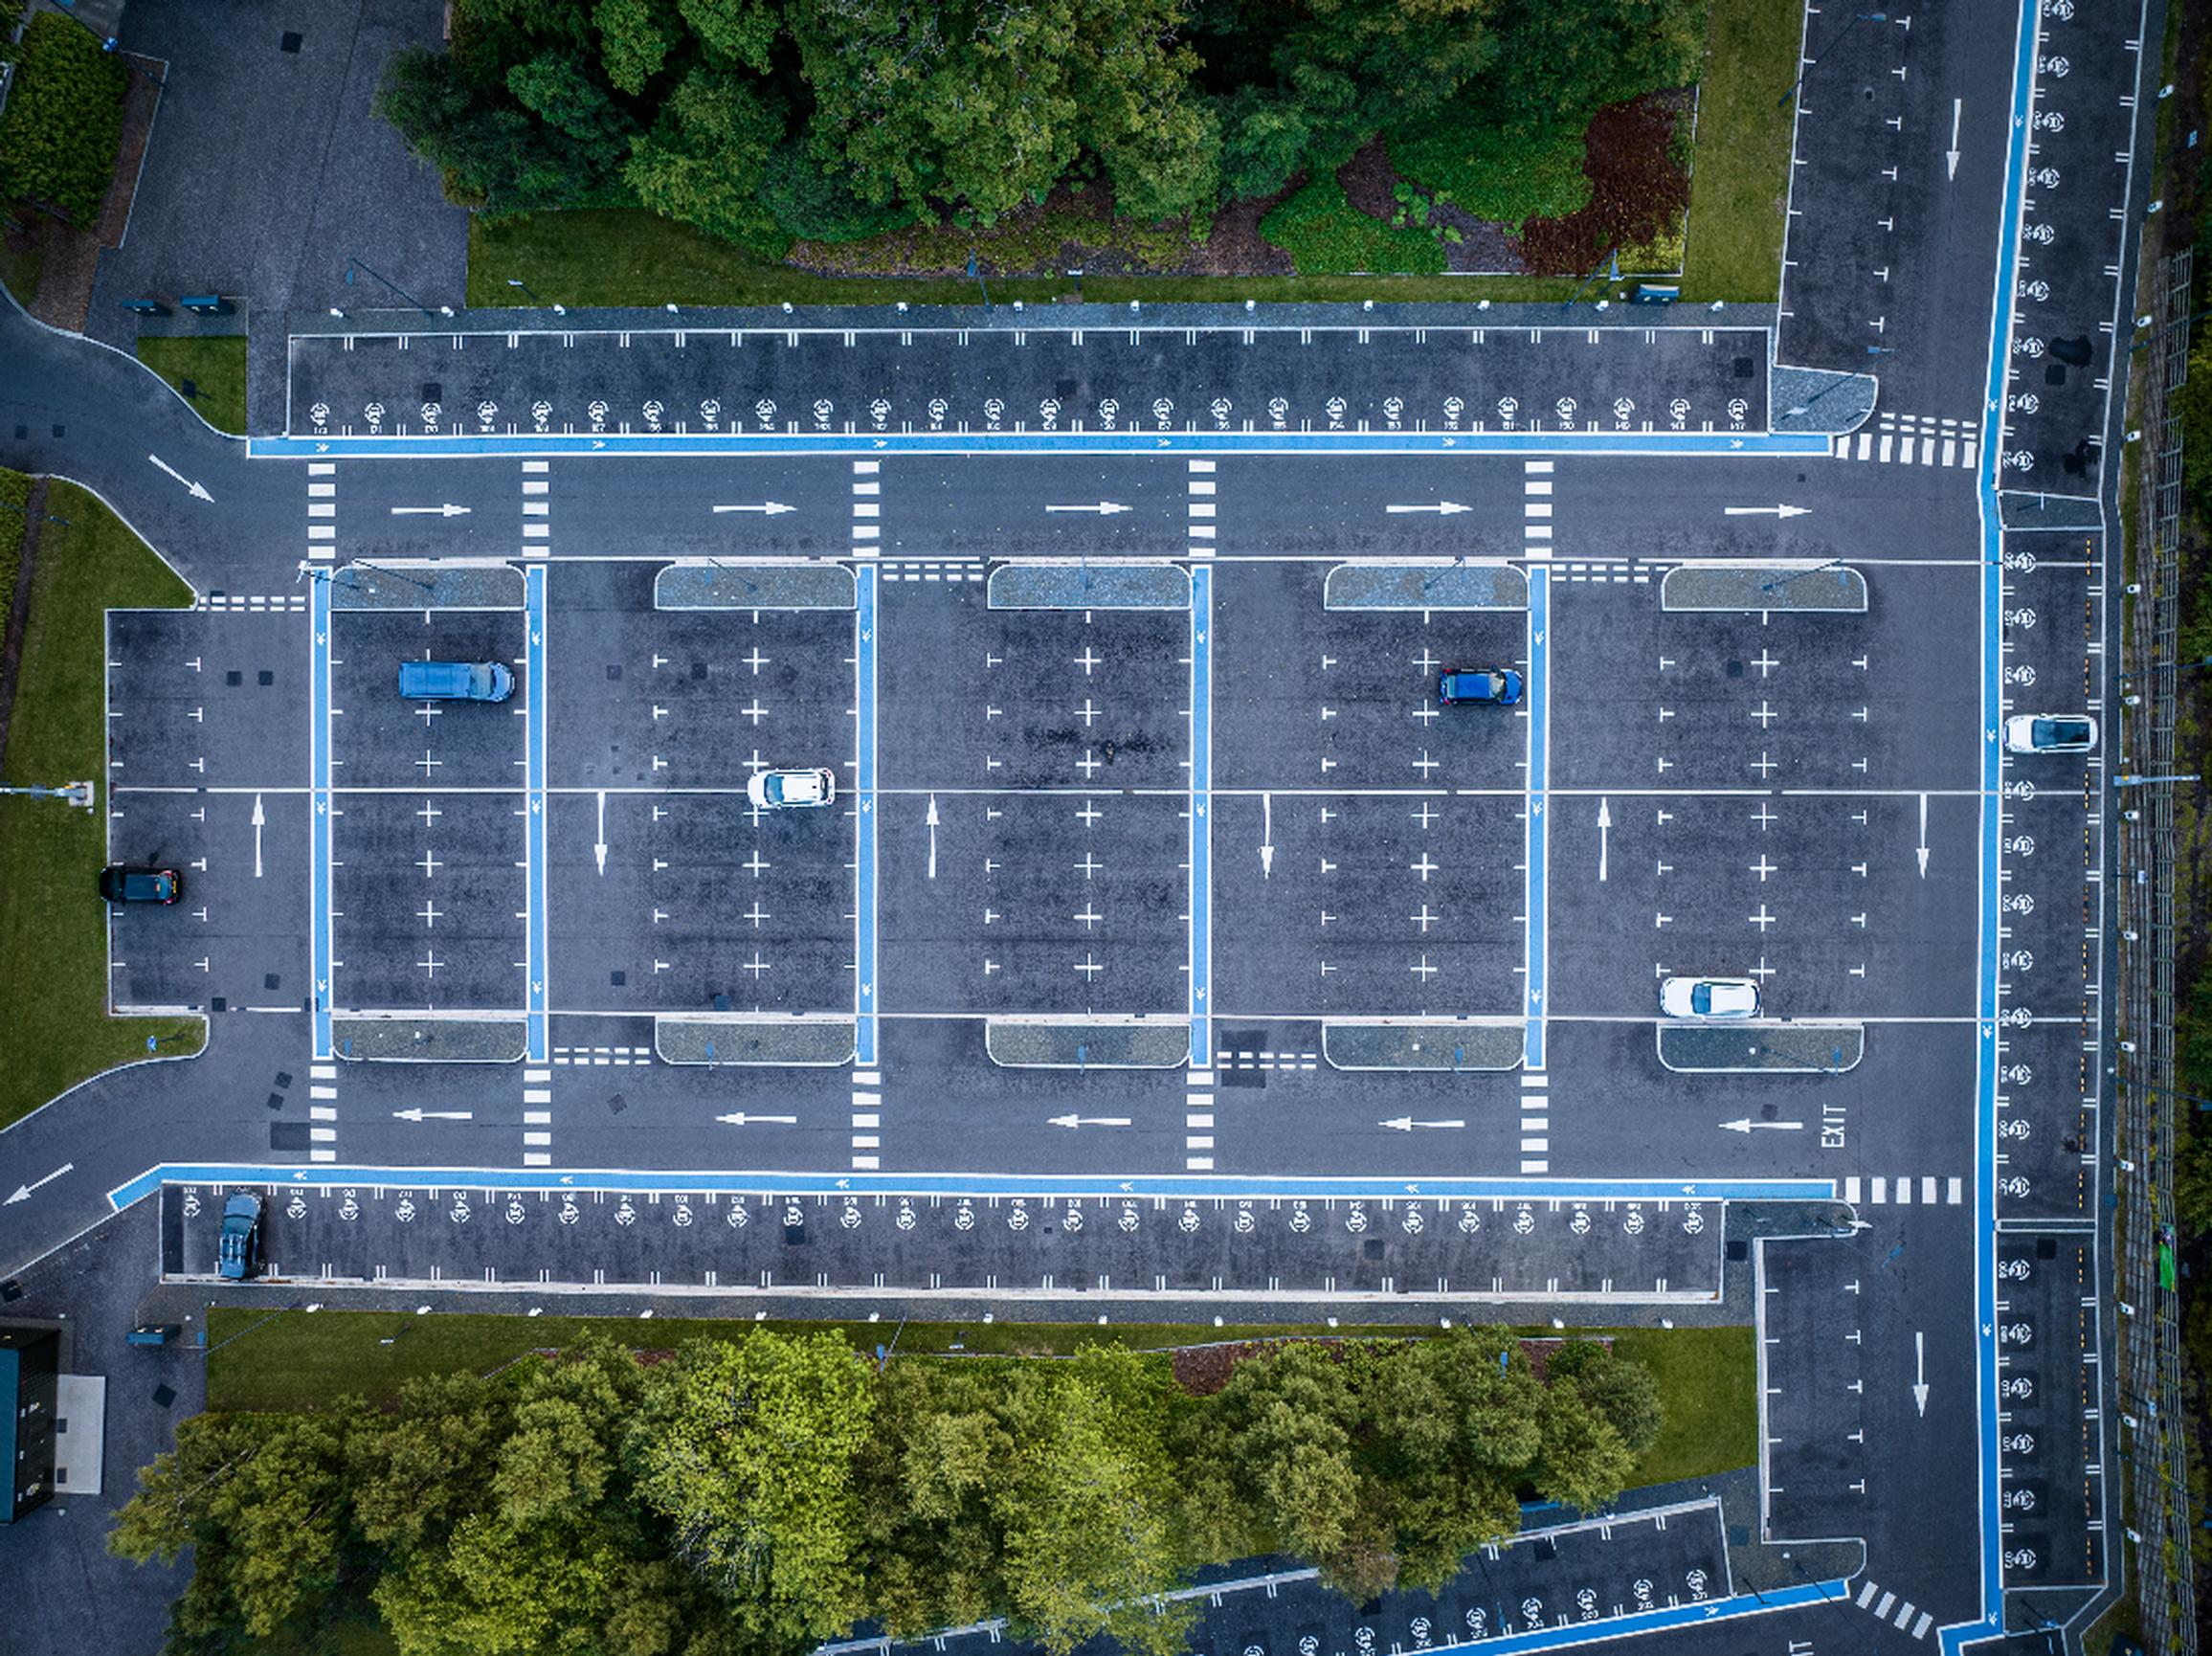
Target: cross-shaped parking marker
x,y
755,712
1090,917
1424,918
1087,714
430,964
1091,814
429,813
429,864
1088,766
1423,970
1766,817
1427,814
1088,965
1089,867
757,864
1766,715
1762,867
1424,764
756,914
428,915
1762,919
426,764
756,661
1088,660
1765,662
1424,867
757,965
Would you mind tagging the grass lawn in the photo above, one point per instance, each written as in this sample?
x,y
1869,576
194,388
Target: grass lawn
x,y
1740,174
627,257
52,927
1707,1378
214,366
19,270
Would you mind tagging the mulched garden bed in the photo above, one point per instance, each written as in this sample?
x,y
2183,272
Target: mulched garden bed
x,y
1638,194
1204,1370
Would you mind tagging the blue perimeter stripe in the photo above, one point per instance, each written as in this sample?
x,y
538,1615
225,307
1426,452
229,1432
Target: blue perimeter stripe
x,y
1055,442
1560,1637
1992,811
1201,892
1537,830
980,1184
535,710
864,945
319,941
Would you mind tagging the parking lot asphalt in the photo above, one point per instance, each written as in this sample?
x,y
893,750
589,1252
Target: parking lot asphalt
x,y
809,380
1126,769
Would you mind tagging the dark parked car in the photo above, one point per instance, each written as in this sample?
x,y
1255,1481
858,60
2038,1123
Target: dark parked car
x,y
125,882
238,1249
1499,684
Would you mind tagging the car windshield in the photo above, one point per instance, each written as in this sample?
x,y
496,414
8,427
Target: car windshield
x,y
2061,732
1701,998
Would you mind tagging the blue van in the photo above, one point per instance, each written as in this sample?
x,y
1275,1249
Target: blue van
x,y
455,681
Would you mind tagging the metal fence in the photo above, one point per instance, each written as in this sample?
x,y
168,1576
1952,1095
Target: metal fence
x,y
2150,1319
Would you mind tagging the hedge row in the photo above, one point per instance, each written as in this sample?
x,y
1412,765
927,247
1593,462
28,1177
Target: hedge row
x,y
63,124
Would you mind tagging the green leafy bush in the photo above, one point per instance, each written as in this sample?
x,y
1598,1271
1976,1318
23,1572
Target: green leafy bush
x,y
1324,233
64,125
811,205
1493,172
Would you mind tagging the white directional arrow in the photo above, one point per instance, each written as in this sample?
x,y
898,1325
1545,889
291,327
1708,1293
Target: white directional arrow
x,y
431,1115
599,846
261,822
931,822
1919,1373
1406,1123
767,508
447,510
23,1191
1442,509
1605,827
1103,508
739,1118
1950,155
1747,1125
1764,511
1072,1121
196,492
1266,835
1923,836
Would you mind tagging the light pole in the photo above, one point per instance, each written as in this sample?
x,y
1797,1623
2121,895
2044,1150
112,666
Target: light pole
x,y
1857,19
979,281
1077,273
518,281
353,264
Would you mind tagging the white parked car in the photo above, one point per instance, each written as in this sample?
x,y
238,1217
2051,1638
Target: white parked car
x,y
782,790
2049,733
1699,997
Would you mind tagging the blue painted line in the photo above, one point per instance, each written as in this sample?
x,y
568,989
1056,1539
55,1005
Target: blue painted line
x,y
1985,1063
1201,893
319,938
1537,830
982,1184
864,936
1563,1635
1531,444
539,902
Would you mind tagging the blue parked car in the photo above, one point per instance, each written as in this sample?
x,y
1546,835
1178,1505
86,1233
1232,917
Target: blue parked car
x,y
238,1249
1499,684
455,681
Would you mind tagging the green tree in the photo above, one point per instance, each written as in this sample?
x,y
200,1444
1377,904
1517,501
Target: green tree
x,y
1086,1507
260,1500
737,34
940,1443
1583,1464
1623,1392
635,39
419,1470
704,159
748,1449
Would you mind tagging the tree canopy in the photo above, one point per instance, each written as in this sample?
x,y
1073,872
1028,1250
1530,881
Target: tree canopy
x,y
762,120
765,1494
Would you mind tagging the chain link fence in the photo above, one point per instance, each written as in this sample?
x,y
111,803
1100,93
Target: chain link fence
x,y
2149,1320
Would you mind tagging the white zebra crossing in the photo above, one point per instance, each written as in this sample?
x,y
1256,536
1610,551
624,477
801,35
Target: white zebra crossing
x,y
1932,1191
1910,439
